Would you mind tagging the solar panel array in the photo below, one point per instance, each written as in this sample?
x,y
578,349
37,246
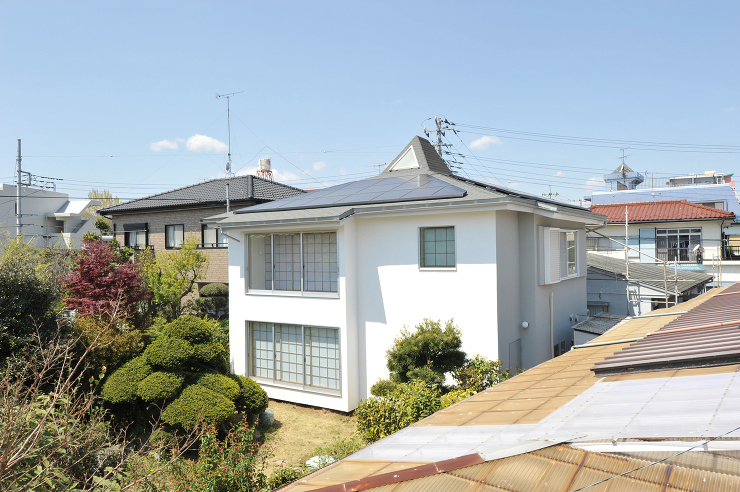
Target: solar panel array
x,y
368,191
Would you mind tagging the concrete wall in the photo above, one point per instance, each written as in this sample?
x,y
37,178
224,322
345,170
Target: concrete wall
x,y
218,257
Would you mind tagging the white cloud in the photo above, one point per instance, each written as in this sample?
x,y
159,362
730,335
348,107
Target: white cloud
x,y
513,184
342,171
202,143
318,166
728,109
279,176
558,174
484,142
594,184
163,144
397,102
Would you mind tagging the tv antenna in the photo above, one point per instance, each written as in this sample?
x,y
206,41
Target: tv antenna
x,y
552,194
229,174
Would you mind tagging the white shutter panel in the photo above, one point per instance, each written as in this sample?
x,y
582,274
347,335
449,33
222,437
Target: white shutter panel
x,y
554,255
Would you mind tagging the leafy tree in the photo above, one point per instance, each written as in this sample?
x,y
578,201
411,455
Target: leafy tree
x,y
172,276
427,353
105,197
101,285
29,294
480,373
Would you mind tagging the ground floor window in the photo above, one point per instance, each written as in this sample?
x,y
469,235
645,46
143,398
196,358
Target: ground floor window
x,y
295,354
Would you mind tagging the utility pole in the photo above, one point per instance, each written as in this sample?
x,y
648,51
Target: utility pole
x,y
18,225
626,253
228,125
551,194
440,132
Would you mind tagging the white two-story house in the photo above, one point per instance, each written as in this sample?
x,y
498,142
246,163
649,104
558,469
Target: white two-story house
x,y
322,283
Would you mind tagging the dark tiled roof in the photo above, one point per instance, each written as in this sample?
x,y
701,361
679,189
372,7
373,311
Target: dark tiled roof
x,y
211,192
426,156
649,274
706,335
665,210
599,323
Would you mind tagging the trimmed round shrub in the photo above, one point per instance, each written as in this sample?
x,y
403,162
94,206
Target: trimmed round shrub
x,y
252,398
221,384
197,401
214,290
169,352
383,387
160,385
123,384
190,328
209,353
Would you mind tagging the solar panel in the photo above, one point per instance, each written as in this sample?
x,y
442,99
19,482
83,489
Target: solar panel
x,y
381,190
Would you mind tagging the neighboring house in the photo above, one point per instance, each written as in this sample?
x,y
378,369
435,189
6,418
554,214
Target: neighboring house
x,y
674,231
163,221
649,285
49,218
639,409
321,284
595,326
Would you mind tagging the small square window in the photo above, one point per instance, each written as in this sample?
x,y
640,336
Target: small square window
x,y
437,247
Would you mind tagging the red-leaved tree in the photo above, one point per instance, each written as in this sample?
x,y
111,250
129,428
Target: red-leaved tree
x,y
100,284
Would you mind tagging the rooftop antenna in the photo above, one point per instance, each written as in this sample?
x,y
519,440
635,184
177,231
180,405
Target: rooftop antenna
x,y
228,171
551,195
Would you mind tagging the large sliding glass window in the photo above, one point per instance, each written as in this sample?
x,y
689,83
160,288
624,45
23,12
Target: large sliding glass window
x,y
293,262
677,244
295,354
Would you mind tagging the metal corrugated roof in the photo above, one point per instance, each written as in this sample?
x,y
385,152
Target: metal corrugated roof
x,y
599,323
648,274
664,210
704,336
211,192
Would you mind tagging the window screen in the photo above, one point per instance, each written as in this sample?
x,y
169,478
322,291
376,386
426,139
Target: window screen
x,y
437,247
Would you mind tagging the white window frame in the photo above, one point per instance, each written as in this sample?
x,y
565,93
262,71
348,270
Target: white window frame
x,y
288,385
287,293
552,238
174,227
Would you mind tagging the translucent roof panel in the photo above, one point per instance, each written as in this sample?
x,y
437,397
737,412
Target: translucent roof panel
x,y
407,161
368,191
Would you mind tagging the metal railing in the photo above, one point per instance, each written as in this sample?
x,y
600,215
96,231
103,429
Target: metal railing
x,y
732,252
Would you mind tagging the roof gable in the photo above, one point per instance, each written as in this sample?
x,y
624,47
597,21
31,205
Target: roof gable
x,y
665,210
420,150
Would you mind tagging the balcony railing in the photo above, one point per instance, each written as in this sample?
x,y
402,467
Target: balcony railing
x,y
732,252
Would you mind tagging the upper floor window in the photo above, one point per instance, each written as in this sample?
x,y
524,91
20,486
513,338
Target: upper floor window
x,y
174,236
211,237
299,262
437,247
560,252
678,244
135,235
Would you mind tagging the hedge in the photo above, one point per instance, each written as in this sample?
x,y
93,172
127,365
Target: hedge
x,y
197,401
190,328
252,399
214,290
379,417
123,384
160,385
221,384
169,352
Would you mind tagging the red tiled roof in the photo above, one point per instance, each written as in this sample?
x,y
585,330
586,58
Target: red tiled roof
x,y
660,210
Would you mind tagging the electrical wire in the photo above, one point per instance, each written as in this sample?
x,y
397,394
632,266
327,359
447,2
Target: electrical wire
x,y
656,462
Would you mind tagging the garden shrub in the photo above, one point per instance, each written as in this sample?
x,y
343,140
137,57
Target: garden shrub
x,y
455,396
252,398
123,384
114,345
209,353
480,373
190,328
283,476
169,352
221,384
196,402
383,387
426,353
160,385
379,417
214,290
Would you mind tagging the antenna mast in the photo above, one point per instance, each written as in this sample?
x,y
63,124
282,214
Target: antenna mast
x,y
228,171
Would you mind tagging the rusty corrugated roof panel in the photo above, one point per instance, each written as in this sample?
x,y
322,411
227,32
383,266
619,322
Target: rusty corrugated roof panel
x,y
706,335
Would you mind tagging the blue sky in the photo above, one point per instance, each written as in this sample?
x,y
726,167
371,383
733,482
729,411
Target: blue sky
x,y
84,81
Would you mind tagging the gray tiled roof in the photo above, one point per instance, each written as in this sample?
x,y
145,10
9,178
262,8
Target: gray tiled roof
x,y
599,323
211,192
426,156
647,273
